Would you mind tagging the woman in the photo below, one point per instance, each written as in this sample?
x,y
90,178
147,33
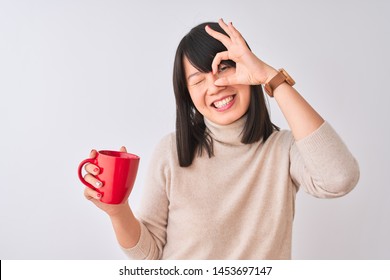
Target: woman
x,y
223,185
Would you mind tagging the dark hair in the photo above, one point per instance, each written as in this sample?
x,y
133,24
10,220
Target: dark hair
x,y
191,134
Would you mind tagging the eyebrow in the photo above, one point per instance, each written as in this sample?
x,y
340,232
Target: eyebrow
x,y
192,75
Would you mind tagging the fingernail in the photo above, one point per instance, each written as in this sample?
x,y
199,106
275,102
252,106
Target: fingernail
x,y
99,195
98,184
96,170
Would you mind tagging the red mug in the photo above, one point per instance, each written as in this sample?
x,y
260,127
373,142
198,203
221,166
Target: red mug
x,y
118,171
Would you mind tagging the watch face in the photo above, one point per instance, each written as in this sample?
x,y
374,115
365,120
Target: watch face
x,y
289,80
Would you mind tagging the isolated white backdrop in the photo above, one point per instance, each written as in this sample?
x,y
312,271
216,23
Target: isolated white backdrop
x,y
77,75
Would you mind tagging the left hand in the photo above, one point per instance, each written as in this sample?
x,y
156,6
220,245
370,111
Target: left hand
x,y
250,70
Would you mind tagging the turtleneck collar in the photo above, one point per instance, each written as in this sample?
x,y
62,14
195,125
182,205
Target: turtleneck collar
x,y
230,134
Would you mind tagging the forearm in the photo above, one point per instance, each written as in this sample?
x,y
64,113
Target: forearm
x,y
301,117
126,226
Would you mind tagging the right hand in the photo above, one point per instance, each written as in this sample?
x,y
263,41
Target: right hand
x,y
94,196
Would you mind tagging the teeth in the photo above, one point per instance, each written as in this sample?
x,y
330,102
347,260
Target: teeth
x,y
223,102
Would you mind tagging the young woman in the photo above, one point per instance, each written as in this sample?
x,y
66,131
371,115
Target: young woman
x,y
223,185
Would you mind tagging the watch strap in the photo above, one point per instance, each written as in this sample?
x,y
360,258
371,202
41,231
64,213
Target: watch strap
x,y
277,80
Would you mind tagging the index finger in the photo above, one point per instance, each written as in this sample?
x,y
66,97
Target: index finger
x,y
91,168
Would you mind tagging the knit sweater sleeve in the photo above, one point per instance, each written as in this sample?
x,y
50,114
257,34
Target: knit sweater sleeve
x,y
153,210
322,164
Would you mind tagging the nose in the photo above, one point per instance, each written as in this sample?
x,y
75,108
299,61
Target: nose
x,y
211,87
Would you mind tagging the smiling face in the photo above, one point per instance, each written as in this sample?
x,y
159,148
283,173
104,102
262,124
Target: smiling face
x,y
220,104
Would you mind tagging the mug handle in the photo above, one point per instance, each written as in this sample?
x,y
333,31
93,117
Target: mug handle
x,y
88,160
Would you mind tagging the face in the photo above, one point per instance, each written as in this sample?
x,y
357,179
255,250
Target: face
x,y
222,105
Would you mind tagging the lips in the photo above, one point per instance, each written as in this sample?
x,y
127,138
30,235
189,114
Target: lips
x,y
223,103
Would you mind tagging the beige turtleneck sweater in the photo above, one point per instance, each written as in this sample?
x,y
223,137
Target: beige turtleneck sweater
x,y
238,204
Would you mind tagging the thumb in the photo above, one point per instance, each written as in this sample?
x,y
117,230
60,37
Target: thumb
x,y
227,81
123,149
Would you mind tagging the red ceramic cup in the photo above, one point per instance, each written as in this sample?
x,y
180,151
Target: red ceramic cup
x,y
118,171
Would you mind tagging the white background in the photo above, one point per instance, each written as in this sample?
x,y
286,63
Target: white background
x,y
77,75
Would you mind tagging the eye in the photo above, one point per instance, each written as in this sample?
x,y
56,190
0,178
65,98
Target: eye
x,y
197,82
223,67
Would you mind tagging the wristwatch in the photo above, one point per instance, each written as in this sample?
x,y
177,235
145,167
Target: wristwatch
x,y
277,80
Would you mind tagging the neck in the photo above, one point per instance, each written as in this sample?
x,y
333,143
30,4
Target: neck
x,y
230,134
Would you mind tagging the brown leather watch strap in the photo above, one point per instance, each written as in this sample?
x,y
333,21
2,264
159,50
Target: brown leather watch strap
x,y
277,80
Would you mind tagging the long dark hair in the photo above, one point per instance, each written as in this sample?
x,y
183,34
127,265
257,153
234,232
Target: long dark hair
x,y
191,134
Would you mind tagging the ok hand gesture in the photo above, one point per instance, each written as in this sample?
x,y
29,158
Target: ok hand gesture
x,y
250,70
